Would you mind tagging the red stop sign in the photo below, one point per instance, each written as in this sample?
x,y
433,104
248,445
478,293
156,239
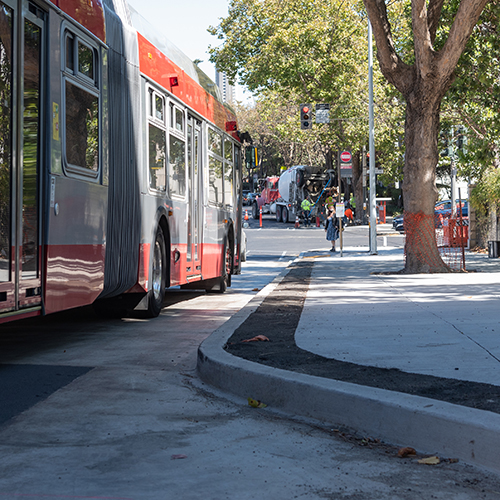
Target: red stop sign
x,y
346,157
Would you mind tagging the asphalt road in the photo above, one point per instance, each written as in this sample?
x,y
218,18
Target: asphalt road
x,y
275,239
113,409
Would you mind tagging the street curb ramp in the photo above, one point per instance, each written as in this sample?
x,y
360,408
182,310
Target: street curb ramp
x,y
428,425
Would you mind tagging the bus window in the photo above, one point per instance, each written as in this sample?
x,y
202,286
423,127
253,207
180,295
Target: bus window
x,y
157,156
6,27
228,172
81,103
82,128
215,194
157,150
228,184
86,61
215,142
177,166
179,120
159,105
228,150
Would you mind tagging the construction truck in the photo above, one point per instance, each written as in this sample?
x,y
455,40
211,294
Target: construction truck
x,y
296,184
267,198
283,195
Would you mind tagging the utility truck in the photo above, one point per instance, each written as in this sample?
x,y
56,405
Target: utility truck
x,y
283,195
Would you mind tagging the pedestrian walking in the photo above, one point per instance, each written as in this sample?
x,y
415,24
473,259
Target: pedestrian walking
x,y
306,209
349,218
332,228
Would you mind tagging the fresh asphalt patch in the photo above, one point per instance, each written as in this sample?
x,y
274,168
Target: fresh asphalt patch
x,y
23,386
278,317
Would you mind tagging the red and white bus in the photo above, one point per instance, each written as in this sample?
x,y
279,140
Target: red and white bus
x,y
120,168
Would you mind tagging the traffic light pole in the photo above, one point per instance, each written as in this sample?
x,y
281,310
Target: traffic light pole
x,y
373,210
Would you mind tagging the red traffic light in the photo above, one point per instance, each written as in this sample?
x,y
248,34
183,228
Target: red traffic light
x,y
305,116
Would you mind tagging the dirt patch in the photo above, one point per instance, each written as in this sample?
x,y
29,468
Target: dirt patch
x,y
278,317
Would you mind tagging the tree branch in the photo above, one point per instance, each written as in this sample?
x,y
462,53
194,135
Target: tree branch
x,y
391,65
467,16
433,15
421,37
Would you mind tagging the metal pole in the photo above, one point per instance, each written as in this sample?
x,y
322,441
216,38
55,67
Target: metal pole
x,y
451,151
339,199
373,212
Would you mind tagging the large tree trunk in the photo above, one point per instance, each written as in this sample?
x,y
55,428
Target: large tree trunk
x,y
423,84
419,187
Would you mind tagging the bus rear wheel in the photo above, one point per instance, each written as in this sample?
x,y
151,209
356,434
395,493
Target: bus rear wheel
x,y
225,280
158,276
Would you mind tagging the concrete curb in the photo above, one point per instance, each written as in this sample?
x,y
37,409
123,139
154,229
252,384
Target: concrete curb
x,y
428,425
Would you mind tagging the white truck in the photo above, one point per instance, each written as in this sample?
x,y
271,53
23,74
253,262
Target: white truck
x,y
296,184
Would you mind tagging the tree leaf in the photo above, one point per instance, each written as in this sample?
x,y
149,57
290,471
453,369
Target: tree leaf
x,y
257,338
430,461
404,452
255,403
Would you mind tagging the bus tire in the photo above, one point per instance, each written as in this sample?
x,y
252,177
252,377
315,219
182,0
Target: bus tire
x,y
225,280
158,276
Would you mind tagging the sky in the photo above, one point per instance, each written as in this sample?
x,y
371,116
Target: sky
x,y
185,23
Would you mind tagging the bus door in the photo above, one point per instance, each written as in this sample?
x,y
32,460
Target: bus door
x,y
21,109
194,171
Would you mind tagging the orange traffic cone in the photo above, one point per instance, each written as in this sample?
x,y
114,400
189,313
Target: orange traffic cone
x,y
246,215
297,223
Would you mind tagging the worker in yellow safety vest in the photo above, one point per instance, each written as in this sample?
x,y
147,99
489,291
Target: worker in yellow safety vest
x,y
306,206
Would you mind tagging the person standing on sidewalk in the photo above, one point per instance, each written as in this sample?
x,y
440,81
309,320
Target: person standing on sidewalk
x,y
332,228
306,208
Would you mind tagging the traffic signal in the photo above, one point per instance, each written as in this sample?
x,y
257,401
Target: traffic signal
x,y
305,116
251,157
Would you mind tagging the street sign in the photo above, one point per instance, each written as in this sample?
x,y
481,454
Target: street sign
x,y
346,157
322,113
339,210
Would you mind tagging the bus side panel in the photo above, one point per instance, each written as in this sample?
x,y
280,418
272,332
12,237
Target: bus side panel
x,y
76,243
213,243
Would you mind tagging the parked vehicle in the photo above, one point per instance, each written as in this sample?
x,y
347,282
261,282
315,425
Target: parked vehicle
x,y
252,197
442,210
397,223
244,195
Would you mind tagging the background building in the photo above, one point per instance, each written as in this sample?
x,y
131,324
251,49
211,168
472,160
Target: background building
x,y
226,89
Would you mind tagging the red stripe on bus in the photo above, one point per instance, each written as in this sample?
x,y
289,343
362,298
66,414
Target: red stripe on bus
x,y
88,13
157,66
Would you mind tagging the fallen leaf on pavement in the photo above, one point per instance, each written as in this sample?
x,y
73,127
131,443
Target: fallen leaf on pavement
x,y
254,403
178,457
404,452
430,461
263,338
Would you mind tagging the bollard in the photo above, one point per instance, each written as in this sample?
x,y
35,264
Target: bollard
x,y
260,216
317,221
297,223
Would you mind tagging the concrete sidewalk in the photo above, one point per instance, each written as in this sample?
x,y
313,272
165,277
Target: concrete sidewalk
x,y
441,325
